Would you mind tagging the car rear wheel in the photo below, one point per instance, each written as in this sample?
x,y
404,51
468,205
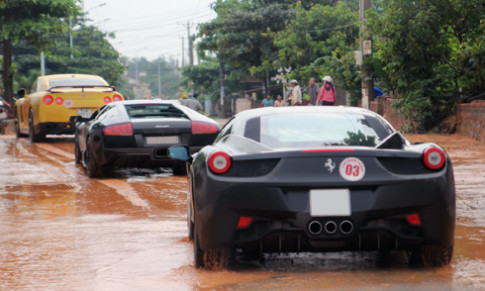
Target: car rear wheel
x,y
33,136
190,224
77,153
198,253
213,259
92,169
18,134
429,255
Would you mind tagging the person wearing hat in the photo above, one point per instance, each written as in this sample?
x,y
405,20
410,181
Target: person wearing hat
x,y
327,95
295,96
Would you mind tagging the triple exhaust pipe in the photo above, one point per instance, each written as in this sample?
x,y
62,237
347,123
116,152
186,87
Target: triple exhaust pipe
x,y
315,227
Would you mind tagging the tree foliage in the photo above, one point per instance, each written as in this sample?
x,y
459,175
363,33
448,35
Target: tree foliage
x,y
429,51
91,53
320,41
34,21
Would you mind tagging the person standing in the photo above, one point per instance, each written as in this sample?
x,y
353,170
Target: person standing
x,y
313,90
295,97
193,103
327,95
5,103
279,102
267,102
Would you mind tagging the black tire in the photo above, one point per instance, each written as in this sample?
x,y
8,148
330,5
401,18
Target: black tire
x,y
429,255
92,168
180,170
190,224
77,153
2,127
18,134
213,259
33,136
198,253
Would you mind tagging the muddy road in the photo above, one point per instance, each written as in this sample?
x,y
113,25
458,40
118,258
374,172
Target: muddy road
x,y
60,230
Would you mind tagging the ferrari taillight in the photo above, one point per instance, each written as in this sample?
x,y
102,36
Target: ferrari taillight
x,y
244,222
107,99
117,98
219,162
59,101
413,219
124,129
434,158
203,127
48,99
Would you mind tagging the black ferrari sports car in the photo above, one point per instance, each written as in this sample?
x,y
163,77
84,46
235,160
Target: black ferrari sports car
x,y
318,179
138,133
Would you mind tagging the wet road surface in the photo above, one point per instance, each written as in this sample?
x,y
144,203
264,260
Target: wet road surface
x,y
60,230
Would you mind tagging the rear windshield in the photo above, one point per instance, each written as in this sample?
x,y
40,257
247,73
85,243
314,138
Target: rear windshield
x,y
310,130
154,111
75,82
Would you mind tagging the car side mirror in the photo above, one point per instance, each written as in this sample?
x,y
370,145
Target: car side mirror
x,y
180,152
22,93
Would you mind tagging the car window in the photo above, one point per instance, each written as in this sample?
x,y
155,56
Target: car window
x,y
224,132
319,130
101,112
75,82
149,111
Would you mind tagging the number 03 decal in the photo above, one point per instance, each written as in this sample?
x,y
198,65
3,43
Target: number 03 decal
x,y
352,169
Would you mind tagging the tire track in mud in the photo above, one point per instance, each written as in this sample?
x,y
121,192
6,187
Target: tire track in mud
x,y
126,191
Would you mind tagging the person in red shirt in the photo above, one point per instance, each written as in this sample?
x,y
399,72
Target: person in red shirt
x,y
327,95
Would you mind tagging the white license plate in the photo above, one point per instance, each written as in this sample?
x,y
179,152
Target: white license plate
x,y
84,112
162,140
330,202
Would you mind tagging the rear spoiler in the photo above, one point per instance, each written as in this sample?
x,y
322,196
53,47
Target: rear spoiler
x,y
53,89
393,141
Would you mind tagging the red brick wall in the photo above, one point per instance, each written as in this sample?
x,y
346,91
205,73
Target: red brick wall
x,y
470,120
393,116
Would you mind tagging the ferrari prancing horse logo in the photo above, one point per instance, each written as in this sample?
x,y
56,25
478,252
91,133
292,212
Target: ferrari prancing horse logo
x,y
330,165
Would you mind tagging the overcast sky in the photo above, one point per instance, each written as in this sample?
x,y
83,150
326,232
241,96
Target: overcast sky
x,y
149,28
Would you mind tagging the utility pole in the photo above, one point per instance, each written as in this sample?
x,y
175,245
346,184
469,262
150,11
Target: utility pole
x,y
365,50
191,46
159,81
222,81
136,78
183,52
42,63
71,40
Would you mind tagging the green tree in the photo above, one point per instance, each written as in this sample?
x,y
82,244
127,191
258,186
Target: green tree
x,y
33,21
429,51
92,53
320,41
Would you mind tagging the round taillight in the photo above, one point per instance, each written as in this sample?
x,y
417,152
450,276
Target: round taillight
x,y
219,162
434,158
48,99
59,101
116,98
107,99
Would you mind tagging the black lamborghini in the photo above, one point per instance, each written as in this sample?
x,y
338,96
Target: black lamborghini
x,y
137,134
318,179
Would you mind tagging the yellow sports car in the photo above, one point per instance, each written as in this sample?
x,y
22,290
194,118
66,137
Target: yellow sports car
x,y
55,101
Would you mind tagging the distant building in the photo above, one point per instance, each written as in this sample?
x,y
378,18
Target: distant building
x,y
141,89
